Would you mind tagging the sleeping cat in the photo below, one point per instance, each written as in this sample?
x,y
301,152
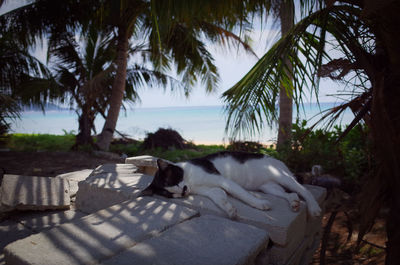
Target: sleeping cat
x,y
235,173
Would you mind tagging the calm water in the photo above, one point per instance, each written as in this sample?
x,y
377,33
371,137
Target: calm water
x,y
199,124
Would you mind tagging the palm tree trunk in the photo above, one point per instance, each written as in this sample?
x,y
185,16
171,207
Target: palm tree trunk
x,y
117,92
85,128
286,14
386,134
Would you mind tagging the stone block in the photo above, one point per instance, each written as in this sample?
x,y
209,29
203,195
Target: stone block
x,y
34,193
281,223
110,184
146,164
314,223
11,231
298,254
203,240
38,221
280,254
309,252
73,178
98,236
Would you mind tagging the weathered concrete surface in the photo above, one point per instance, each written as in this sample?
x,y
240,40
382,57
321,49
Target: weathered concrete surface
x,y
34,193
307,255
111,184
314,223
98,236
142,161
9,232
73,178
38,221
281,223
146,164
108,185
203,240
279,254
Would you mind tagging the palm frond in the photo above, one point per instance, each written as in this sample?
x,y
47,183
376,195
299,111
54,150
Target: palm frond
x,y
251,102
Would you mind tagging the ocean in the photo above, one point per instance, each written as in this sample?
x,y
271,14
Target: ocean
x,y
200,124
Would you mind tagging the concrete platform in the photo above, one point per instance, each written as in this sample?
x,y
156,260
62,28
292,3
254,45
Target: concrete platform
x,y
98,236
39,221
73,178
34,193
108,185
199,241
156,230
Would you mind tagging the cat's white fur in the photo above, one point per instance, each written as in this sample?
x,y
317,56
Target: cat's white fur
x,y
265,174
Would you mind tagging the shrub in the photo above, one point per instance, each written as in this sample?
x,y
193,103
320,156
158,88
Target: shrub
x,y
164,139
347,159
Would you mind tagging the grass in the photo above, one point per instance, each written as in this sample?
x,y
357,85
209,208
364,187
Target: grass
x,y
38,142
47,142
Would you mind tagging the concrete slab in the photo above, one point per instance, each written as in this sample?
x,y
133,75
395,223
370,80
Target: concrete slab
x,y
108,185
142,161
111,184
73,178
203,240
98,236
280,222
11,231
146,164
314,223
308,254
34,193
38,221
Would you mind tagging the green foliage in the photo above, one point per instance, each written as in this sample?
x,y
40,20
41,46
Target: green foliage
x,y
40,142
348,159
174,155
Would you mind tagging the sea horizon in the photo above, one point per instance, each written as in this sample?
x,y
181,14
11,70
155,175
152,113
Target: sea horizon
x,y
198,124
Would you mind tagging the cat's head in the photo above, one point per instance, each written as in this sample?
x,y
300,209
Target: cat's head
x,y
168,181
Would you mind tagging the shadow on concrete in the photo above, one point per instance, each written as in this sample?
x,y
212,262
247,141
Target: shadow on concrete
x,y
97,236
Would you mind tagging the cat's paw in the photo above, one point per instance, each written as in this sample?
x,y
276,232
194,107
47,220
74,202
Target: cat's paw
x,y
262,205
295,205
294,202
230,210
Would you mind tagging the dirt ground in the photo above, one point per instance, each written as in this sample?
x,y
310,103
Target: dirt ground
x,y
49,164
340,247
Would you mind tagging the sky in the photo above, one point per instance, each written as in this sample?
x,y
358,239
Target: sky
x,y
232,65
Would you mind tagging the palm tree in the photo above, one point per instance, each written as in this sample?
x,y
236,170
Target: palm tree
x,y
85,71
365,33
16,65
175,30
286,15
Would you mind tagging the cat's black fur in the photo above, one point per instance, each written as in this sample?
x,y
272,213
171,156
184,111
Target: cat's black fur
x,y
169,175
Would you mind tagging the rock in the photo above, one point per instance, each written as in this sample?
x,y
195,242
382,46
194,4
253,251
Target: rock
x,y
34,193
146,164
73,178
203,240
11,231
110,184
281,223
38,221
98,236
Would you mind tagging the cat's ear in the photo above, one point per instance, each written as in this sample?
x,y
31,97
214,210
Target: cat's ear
x,y
162,164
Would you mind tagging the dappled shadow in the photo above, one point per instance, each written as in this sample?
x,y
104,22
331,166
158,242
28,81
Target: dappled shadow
x,y
100,235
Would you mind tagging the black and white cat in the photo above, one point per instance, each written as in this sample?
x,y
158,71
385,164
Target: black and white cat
x,y
235,173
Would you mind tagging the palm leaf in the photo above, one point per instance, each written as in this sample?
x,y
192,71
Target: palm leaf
x,y
251,102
